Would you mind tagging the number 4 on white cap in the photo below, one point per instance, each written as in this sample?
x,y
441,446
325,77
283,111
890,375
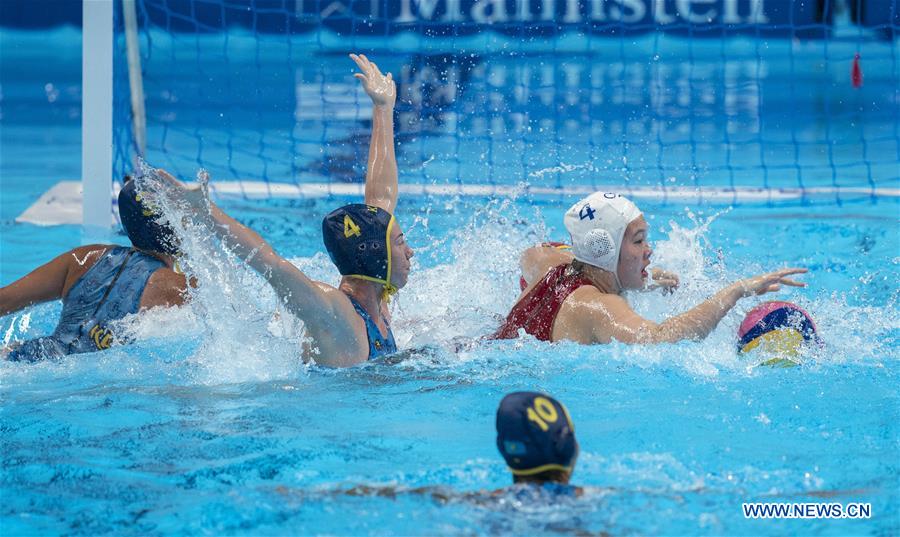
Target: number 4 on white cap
x,y
586,212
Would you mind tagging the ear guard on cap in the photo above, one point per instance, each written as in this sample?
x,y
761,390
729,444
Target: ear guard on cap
x,y
600,246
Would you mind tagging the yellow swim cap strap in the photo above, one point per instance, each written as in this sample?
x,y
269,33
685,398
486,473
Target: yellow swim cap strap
x,y
542,468
389,289
367,278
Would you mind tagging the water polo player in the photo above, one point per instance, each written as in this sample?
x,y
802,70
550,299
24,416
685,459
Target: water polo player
x,y
536,437
348,324
99,284
582,301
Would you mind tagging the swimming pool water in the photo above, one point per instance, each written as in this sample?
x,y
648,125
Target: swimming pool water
x,y
210,424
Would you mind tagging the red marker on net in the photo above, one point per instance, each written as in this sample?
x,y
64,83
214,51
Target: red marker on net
x,y
856,72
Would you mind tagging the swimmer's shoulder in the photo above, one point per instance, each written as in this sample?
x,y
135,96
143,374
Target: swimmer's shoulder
x,y
537,261
588,301
588,296
586,313
165,288
339,303
532,493
338,330
80,260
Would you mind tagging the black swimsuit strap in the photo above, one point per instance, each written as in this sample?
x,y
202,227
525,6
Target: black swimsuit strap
x,y
112,283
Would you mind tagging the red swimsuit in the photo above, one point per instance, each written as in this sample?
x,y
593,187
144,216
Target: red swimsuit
x,y
537,311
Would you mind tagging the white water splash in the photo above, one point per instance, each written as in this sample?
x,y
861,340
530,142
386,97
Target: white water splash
x,y
233,305
469,294
246,336
563,168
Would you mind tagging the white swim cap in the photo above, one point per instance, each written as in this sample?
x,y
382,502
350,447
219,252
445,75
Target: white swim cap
x,y
597,224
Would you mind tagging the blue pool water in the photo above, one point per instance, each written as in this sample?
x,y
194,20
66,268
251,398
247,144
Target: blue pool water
x,y
210,424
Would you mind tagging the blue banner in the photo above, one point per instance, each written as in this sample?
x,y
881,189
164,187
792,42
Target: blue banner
x,y
530,18
449,18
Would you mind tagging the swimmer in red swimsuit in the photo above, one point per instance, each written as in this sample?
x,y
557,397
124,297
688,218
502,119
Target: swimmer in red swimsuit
x,y
577,296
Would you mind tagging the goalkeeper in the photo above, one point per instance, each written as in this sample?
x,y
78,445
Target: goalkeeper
x,y
100,284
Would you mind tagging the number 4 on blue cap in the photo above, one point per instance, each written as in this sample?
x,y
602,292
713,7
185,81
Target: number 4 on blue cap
x,y
350,227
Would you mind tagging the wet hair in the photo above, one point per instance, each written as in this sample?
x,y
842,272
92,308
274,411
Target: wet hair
x,y
578,265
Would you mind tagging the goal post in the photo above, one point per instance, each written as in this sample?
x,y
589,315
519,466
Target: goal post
x,y
101,150
97,115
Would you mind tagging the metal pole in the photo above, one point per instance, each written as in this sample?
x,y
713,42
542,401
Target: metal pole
x,y
96,114
135,82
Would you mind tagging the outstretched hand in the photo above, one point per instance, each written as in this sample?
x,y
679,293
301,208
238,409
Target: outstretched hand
x,y
380,88
664,279
196,197
767,283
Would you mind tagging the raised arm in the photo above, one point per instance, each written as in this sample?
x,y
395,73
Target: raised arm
x,y
611,317
538,260
381,170
313,303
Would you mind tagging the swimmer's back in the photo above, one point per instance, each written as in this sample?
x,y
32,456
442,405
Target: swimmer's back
x,y
52,280
164,288
537,310
98,284
55,279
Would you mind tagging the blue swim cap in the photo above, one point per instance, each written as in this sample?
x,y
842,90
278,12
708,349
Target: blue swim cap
x,y
535,434
141,222
357,237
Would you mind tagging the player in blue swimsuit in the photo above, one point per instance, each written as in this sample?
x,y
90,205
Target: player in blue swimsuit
x,y
99,284
536,437
351,323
